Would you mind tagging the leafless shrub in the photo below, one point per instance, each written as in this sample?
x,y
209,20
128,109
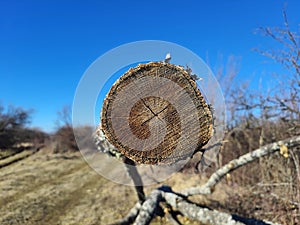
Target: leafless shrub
x,y
14,130
63,137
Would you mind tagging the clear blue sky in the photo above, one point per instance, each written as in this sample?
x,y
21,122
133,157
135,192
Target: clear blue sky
x,y
45,46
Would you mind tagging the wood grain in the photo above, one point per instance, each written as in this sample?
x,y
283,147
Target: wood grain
x,y
154,112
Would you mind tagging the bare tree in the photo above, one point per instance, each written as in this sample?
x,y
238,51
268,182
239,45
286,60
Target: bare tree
x,y
286,96
13,125
64,135
64,117
265,116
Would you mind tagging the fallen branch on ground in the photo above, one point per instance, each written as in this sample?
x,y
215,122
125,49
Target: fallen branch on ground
x,y
143,213
241,161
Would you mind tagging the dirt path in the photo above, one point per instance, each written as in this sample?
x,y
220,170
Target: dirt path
x,y
59,189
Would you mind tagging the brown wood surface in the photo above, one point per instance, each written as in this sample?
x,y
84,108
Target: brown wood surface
x,y
153,112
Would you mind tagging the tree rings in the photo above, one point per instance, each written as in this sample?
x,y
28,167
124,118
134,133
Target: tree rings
x,y
155,114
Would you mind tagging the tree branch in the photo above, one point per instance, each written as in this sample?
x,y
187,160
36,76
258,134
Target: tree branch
x,y
147,211
194,212
236,163
135,176
186,208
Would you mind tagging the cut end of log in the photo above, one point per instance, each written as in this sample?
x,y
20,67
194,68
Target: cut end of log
x,y
155,114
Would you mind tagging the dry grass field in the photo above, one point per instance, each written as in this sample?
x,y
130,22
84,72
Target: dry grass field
x,y
62,189
59,189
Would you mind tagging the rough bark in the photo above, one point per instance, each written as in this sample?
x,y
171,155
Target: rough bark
x,y
194,212
147,211
205,215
